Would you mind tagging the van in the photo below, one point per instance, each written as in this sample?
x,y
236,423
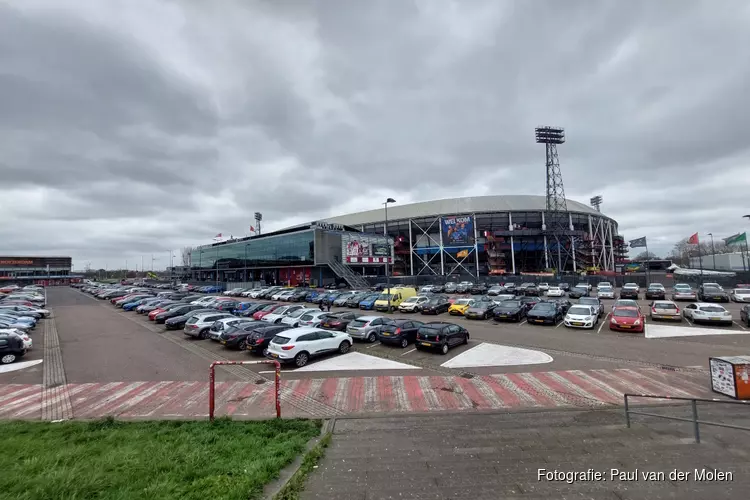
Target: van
x,y
397,295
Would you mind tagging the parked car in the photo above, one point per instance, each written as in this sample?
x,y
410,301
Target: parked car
x,y
413,304
707,293
178,322
227,305
745,315
266,310
354,300
365,327
555,291
199,324
223,323
253,337
441,336
398,331
593,302
338,321
312,318
682,291
625,303
496,290
581,316
481,309
234,292
293,318
630,291
578,291
627,319
545,313
702,312
741,295
564,286
278,314
510,310
247,309
605,292
11,348
436,305
464,287
656,291
478,289
340,301
665,309
450,287
298,345
584,285
459,307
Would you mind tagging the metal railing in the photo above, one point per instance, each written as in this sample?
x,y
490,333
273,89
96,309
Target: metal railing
x,y
694,405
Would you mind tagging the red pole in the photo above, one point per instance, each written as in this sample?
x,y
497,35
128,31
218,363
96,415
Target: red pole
x,y
278,388
211,377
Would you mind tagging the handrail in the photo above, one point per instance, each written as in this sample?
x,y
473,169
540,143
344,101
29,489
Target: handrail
x,y
693,402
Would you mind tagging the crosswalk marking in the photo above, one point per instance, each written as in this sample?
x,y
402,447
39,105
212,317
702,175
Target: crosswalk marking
x,y
360,395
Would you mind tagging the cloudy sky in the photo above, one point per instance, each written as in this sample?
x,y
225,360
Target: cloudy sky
x,y
134,127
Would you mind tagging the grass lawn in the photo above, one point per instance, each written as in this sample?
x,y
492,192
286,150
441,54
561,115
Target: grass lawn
x,y
111,460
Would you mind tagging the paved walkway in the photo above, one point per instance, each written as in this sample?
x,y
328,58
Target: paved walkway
x,y
499,456
328,397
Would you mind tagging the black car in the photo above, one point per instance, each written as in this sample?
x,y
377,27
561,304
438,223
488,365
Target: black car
x,y
464,287
338,321
178,322
355,299
436,305
441,336
173,312
379,287
299,295
450,287
531,291
563,304
628,292
226,305
253,337
399,331
578,291
564,286
545,313
478,289
481,309
656,292
11,348
510,310
712,294
745,314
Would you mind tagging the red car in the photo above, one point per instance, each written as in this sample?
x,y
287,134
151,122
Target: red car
x,y
627,319
266,310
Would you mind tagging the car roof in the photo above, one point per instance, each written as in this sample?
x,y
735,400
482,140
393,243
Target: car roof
x,y
439,324
302,330
628,308
708,304
368,318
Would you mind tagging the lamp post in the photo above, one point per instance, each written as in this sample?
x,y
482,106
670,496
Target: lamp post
x,y
171,267
747,251
387,270
713,249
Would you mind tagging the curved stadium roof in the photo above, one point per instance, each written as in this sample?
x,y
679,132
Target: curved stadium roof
x,y
453,206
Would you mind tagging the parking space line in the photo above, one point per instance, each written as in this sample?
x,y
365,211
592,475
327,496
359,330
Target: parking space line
x,y
739,325
561,323
604,321
522,322
373,345
407,352
688,320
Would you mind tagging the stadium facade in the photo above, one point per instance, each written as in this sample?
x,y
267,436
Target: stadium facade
x,y
36,270
472,237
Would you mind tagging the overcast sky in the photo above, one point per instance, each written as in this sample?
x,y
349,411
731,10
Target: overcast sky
x,y
134,127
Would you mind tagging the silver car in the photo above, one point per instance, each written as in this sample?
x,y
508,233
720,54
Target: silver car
x,y
665,309
740,295
593,302
605,292
365,327
682,291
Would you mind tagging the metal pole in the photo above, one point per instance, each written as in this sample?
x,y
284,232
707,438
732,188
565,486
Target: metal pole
x,y
513,255
696,425
211,389
216,282
387,270
627,412
648,264
442,257
411,251
713,249
572,244
476,245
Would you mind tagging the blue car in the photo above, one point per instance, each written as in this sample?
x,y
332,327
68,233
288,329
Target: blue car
x,y
243,306
312,295
368,304
129,306
26,322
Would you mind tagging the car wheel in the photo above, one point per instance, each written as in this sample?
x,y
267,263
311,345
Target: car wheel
x,y
404,343
444,349
344,347
466,339
371,338
203,334
7,358
242,345
301,359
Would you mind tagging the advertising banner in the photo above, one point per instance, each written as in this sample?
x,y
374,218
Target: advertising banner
x,y
457,230
381,250
357,248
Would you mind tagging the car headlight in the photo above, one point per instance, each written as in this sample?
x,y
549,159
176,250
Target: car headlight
x,y
614,321
589,318
637,322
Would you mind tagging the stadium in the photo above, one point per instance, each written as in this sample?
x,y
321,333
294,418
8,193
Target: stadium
x,y
470,236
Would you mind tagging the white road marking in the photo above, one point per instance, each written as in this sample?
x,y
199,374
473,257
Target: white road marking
x,y
664,331
497,355
373,345
688,320
407,352
19,365
523,322
561,323
267,371
739,325
355,361
604,321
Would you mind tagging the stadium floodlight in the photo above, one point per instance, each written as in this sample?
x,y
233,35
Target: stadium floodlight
x,y
550,135
596,202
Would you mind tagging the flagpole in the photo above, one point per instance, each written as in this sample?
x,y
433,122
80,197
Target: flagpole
x,y
648,263
700,260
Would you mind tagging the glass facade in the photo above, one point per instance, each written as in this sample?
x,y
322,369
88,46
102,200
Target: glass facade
x,y
293,249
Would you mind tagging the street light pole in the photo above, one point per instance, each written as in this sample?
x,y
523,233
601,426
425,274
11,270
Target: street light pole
x,y
713,249
387,270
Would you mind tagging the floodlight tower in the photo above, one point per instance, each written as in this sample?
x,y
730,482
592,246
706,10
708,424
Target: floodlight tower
x,y
258,218
596,202
557,224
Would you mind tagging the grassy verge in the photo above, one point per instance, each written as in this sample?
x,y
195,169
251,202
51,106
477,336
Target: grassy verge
x,y
116,460
296,484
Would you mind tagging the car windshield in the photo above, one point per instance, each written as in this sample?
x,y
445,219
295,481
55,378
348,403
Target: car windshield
x,y
580,288
280,340
510,304
682,287
385,296
742,291
297,313
410,300
463,302
589,301
710,289
542,306
579,311
712,309
665,305
269,307
625,313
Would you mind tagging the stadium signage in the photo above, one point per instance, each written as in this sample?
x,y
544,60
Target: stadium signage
x,y
16,262
328,226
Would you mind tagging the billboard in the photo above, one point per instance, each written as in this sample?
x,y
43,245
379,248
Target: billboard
x,y
457,230
357,248
381,250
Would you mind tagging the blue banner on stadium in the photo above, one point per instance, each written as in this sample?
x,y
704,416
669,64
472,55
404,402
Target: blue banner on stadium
x,y
457,230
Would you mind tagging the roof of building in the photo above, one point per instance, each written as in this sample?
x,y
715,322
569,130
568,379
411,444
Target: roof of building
x,y
454,206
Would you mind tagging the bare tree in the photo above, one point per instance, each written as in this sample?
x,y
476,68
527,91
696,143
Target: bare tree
x,y
186,254
682,251
646,256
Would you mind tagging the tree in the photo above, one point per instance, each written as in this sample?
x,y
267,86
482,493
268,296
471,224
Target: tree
x,y
186,254
682,252
645,256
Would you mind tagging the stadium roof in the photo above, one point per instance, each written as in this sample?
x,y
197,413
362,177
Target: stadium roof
x,y
454,206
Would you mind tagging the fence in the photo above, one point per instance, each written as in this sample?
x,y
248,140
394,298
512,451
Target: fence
x,y
694,404
212,382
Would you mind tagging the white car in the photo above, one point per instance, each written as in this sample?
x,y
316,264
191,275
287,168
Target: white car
x,y
682,291
31,309
27,342
581,317
222,324
233,292
741,295
200,324
298,345
555,291
278,314
413,304
584,285
312,318
293,318
281,293
203,301
708,313
497,299
254,293
605,292
543,287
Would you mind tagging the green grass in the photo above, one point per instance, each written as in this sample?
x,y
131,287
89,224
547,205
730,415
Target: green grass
x,y
116,460
296,483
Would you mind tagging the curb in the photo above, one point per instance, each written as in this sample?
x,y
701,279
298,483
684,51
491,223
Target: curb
x,y
273,490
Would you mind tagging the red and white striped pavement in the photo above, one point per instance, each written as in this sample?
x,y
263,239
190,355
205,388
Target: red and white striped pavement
x,y
326,397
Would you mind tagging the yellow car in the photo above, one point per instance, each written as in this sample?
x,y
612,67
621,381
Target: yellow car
x,y
459,307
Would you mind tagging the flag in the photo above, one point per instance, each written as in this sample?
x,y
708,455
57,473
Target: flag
x,y
736,239
693,240
217,237
638,242
252,229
